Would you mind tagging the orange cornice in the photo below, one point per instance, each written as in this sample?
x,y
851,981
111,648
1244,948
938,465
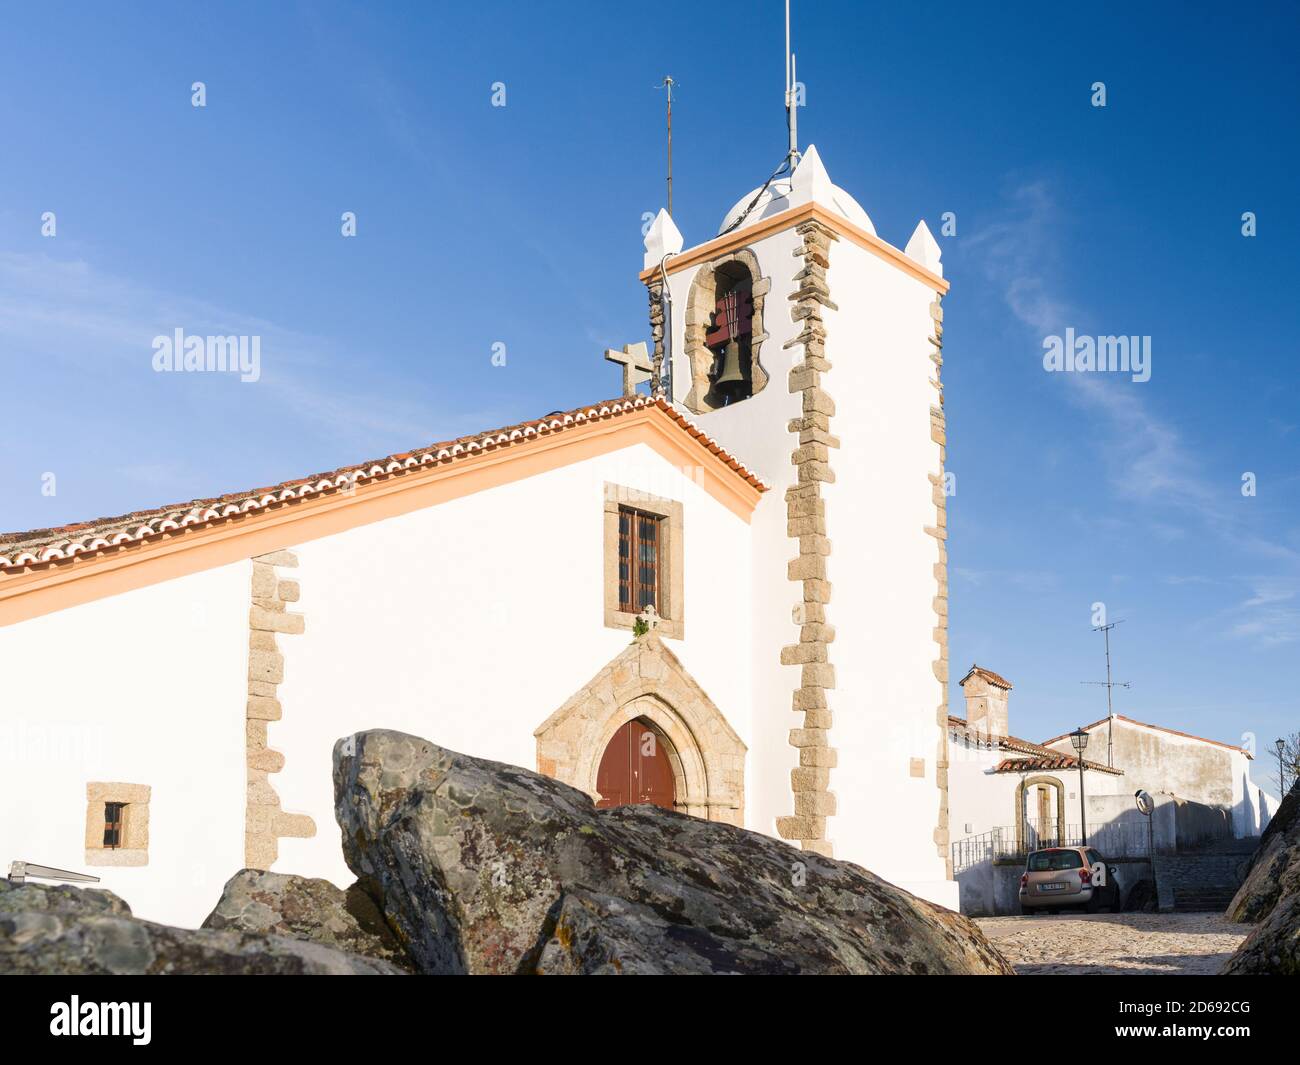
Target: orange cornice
x,y
49,587
729,242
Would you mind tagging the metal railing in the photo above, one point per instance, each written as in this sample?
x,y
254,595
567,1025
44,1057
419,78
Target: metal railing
x,y
1005,843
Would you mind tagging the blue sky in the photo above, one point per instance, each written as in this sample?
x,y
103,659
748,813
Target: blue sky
x,y
521,225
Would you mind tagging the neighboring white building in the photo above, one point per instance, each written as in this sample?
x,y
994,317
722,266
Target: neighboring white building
x,y
1159,759
175,680
1007,795
1027,791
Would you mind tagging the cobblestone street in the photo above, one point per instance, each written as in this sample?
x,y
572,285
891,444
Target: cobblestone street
x,y
1180,944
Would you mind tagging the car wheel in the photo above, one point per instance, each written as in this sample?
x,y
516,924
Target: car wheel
x,y
1117,901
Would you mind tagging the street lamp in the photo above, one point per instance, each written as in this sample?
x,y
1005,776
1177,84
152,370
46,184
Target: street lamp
x,y
1079,739
1281,766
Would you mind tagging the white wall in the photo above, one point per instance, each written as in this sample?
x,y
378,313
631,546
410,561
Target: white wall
x,y
1267,806
147,687
1186,766
976,795
471,622
882,561
882,569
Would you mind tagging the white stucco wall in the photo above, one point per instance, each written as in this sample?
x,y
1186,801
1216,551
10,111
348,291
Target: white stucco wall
x,y
978,797
1186,766
882,569
147,687
471,622
1267,805
882,562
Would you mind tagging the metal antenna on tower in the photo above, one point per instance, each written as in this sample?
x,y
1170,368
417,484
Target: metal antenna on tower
x,y
791,104
1109,684
668,83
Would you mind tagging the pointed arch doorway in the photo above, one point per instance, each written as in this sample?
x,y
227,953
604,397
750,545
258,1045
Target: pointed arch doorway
x,y
645,685
637,768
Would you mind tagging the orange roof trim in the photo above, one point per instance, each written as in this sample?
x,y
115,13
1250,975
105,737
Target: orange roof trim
x,y
22,554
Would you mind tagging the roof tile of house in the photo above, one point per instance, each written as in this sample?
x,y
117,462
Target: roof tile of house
x,y
1040,757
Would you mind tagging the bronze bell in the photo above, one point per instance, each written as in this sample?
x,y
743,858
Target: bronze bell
x,y
729,374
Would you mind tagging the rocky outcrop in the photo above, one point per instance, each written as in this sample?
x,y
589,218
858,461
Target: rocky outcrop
x,y
1270,895
60,930
44,898
487,868
1273,948
281,904
1279,850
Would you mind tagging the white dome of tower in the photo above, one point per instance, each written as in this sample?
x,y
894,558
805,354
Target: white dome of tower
x,y
808,182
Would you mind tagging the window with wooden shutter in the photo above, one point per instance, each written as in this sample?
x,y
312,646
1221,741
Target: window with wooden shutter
x,y
113,813
117,823
639,562
644,546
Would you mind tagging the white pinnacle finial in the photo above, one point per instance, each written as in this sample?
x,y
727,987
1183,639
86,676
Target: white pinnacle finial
x,y
810,183
663,238
924,249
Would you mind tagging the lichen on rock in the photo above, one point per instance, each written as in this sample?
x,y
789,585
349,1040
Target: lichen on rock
x,y
488,868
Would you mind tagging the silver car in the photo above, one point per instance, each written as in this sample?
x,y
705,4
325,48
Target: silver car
x,y
1058,878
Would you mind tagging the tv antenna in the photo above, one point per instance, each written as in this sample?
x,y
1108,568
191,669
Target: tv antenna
x,y
1109,685
668,84
791,92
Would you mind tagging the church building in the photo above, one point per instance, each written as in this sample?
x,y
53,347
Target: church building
x,y
726,595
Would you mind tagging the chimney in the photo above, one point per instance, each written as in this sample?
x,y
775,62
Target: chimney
x,y
986,701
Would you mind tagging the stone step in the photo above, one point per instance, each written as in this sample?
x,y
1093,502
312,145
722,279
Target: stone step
x,y
1202,900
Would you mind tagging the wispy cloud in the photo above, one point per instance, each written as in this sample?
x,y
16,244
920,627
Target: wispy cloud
x,y
1149,461
69,315
1271,615
1036,581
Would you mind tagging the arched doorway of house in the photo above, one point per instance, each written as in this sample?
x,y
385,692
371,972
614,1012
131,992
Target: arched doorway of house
x,y
637,768
1047,827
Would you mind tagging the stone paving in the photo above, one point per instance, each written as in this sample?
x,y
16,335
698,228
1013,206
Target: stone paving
x,y
1179,944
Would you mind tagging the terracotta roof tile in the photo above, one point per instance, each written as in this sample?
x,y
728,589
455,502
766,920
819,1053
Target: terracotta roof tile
x,y
988,675
21,550
1014,743
1054,762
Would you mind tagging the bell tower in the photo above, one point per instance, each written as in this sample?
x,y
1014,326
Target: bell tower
x,y
810,347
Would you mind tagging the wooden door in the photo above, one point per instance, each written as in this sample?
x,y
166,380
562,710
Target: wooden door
x,y
635,769
1049,832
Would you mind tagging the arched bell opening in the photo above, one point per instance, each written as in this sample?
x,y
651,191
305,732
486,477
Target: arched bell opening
x,y
724,331
730,337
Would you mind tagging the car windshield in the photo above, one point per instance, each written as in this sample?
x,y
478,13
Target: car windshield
x,y
1052,861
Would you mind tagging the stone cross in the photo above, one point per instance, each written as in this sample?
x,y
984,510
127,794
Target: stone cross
x,y
636,365
650,616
